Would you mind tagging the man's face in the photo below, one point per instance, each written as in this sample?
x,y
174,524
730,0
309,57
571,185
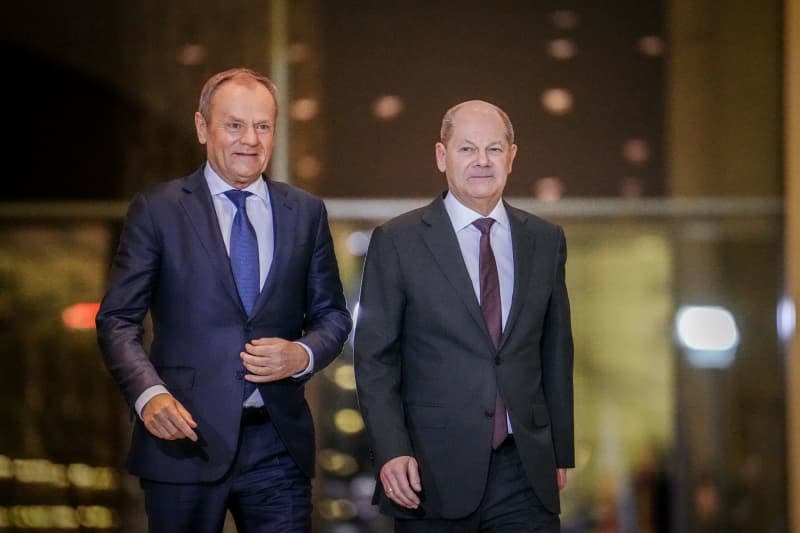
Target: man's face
x,y
477,158
239,134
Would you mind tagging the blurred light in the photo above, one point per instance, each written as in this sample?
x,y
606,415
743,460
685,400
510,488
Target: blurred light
x,y
97,517
80,315
304,109
708,334
308,168
785,320
651,45
345,528
562,48
564,19
356,309
557,101
91,477
636,151
191,54
348,421
40,471
362,486
334,462
387,107
358,242
6,467
5,521
549,189
299,52
345,377
631,187
337,510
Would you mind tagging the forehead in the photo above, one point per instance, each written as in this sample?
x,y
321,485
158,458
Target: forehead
x,y
479,124
243,96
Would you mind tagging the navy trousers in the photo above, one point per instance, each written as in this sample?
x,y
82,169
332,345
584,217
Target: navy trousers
x,y
265,491
509,504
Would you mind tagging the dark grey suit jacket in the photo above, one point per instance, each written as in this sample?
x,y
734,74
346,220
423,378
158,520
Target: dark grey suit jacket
x,y
427,372
172,261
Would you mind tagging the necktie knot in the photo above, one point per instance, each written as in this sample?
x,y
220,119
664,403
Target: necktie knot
x,y
239,198
484,225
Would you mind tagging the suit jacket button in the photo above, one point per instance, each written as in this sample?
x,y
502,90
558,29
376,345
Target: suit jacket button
x,y
240,374
497,360
489,413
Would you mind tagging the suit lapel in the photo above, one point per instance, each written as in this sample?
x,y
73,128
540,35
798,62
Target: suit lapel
x,y
523,242
283,225
442,243
200,208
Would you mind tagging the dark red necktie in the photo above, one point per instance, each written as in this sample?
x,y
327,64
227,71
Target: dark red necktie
x,y
492,315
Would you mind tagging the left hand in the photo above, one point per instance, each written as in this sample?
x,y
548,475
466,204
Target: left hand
x,y
271,359
561,475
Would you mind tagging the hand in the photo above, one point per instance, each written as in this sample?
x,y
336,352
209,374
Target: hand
x,y
561,475
166,418
400,479
272,359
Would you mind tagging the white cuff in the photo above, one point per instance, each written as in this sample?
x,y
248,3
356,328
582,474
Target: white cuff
x,y
146,396
310,368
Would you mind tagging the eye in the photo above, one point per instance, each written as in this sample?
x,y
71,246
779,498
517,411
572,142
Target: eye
x,y
263,128
466,149
234,126
496,150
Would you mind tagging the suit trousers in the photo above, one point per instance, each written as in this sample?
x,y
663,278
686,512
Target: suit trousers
x,y
265,491
509,504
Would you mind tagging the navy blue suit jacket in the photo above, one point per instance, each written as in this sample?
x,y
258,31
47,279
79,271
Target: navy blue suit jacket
x,y
172,261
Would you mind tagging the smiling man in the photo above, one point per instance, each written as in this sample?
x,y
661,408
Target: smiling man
x,y
240,277
463,348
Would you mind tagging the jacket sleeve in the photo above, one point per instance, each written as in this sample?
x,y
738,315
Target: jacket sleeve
x,y
377,351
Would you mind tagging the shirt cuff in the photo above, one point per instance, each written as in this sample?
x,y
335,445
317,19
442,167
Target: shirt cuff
x,y
310,368
146,396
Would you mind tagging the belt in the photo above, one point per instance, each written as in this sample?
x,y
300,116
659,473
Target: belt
x,y
253,416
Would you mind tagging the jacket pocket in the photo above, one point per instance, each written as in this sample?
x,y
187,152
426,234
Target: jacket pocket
x,y
177,377
540,416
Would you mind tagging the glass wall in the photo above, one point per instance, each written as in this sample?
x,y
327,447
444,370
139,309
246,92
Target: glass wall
x,y
666,440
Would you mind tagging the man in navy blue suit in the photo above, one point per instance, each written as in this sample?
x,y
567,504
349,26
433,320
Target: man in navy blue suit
x,y
239,275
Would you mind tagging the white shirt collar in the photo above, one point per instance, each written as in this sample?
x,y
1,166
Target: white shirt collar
x,y
218,186
462,216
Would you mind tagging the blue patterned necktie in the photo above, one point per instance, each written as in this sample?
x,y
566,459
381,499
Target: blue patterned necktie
x,y
492,315
244,252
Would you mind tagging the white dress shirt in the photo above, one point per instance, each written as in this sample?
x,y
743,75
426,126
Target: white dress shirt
x,y
469,239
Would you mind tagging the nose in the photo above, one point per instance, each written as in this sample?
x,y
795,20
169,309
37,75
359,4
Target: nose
x,y
249,135
483,158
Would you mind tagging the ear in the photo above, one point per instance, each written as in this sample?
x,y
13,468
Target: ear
x,y
512,153
441,156
200,126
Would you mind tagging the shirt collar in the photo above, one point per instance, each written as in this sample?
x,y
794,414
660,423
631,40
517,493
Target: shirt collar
x,y
218,186
462,216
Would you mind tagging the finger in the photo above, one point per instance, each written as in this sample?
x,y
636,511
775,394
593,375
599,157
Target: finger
x,y
401,490
413,475
181,422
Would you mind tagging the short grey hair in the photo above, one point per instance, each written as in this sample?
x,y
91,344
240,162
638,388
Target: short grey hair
x,y
449,119
238,73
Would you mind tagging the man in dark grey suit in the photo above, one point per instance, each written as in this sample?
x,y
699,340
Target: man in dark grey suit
x,y
463,348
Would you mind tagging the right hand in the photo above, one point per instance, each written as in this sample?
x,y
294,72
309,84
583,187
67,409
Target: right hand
x,y
401,483
166,418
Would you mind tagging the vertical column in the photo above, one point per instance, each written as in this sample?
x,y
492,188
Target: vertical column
x,y
279,72
792,236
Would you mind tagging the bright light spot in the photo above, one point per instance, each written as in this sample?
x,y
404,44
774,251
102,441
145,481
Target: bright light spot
x,y
80,315
304,109
345,378
651,45
358,242
708,334
562,48
362,486
549,189
348,421
387,107
308,168
191,54
786,320
340,464
6,467
636,151
356,310
564,19
337,510
557,101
